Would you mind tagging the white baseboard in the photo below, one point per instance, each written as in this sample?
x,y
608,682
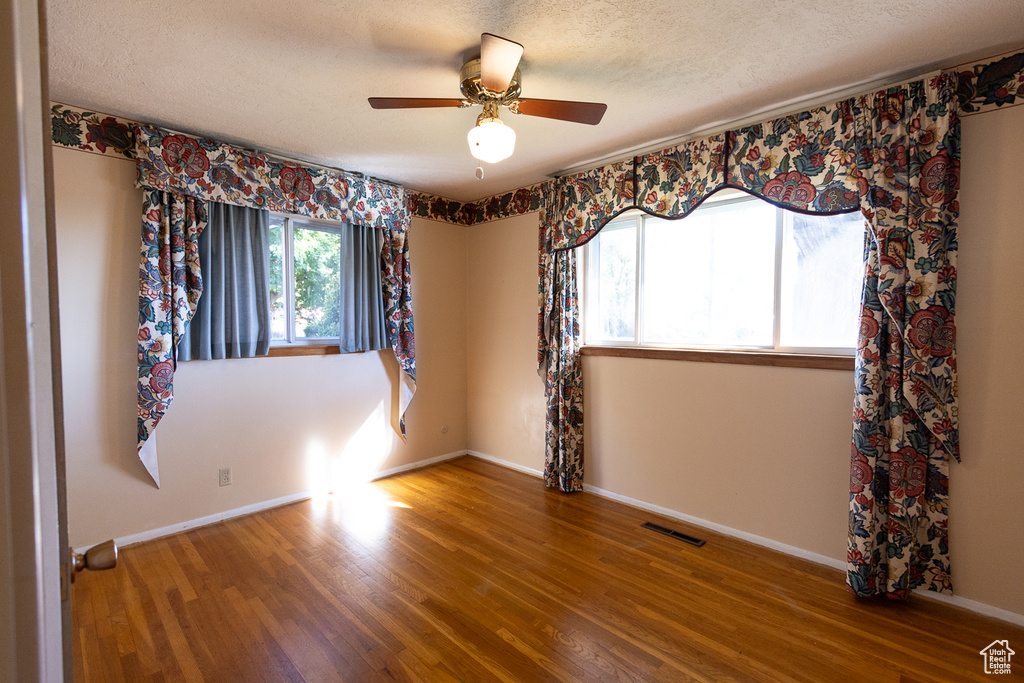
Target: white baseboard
x,y
955,600
974,606
417,465
720,528
506,463
143,536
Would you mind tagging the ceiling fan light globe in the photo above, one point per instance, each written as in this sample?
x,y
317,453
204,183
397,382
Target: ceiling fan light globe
x,y
491,141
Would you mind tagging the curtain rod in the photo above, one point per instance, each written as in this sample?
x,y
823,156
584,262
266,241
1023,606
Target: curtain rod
x,y
772,111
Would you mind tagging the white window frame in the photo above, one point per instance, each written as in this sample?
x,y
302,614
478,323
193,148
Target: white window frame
x,y
588,269
288,227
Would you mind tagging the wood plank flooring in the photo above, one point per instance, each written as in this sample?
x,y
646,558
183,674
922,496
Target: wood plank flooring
x,y
466,571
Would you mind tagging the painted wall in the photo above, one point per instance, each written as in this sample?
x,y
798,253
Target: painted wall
x,y
986,522
505,393
766,450
284,425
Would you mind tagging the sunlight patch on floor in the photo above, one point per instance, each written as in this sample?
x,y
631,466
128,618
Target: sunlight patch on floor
x,y
342,480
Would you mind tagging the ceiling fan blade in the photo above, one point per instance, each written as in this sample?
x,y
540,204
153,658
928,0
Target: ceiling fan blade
x,y
499,59
413,102
563,110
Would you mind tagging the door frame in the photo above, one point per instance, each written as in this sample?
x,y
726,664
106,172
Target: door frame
x,y
32,628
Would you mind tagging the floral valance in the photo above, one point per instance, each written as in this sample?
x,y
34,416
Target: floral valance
x,y
803,162
807,162
991,84
587,201
211,170
675,181
207,169
505,205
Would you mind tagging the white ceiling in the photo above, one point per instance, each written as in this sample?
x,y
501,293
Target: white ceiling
x,y
292,77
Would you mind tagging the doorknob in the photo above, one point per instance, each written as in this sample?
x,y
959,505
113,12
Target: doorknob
x,y
102,556
96,558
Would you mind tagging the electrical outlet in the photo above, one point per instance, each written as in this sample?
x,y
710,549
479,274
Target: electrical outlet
x,y
225,476
444,429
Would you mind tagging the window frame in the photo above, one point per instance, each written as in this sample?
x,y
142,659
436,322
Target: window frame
x,y
777,354
292,345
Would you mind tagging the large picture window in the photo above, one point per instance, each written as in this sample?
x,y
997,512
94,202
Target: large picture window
x,y
737,273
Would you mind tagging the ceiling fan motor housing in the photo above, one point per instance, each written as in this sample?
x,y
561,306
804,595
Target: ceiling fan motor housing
x,y
469,77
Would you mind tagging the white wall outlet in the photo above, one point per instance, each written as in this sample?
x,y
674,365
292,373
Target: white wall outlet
x,y
225,476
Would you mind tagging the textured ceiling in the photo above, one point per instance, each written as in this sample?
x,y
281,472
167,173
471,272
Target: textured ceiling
x,y
293,77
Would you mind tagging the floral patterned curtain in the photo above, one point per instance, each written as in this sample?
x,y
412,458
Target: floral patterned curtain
x,y
397,280
895,156
221,173
558,356
192,171
563,372
905,410
572,211
170,283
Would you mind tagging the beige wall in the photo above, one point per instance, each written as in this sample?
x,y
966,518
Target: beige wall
x,y
505,393
986,525
765,450
284,425
759,449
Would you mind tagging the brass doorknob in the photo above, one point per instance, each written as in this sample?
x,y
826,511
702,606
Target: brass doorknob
x,y
96,558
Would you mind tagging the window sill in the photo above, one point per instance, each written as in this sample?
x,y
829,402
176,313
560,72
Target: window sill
x,y
304,350
782,360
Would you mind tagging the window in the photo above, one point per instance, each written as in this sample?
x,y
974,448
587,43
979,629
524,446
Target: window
x,y
325,286
305,280
737,273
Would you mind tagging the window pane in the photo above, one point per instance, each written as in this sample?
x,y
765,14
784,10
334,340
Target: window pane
x,y
317,257
277,288
822,271
616,286
709,279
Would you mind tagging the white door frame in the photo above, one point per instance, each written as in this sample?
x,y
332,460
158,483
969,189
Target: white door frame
x,y
30,548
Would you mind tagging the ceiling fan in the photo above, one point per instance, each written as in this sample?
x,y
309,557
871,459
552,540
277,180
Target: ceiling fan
x,y
494,81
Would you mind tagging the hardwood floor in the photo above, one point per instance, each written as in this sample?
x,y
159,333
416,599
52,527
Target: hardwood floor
x,y
468,571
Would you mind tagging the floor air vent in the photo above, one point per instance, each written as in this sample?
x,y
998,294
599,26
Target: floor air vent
x,y
674,534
